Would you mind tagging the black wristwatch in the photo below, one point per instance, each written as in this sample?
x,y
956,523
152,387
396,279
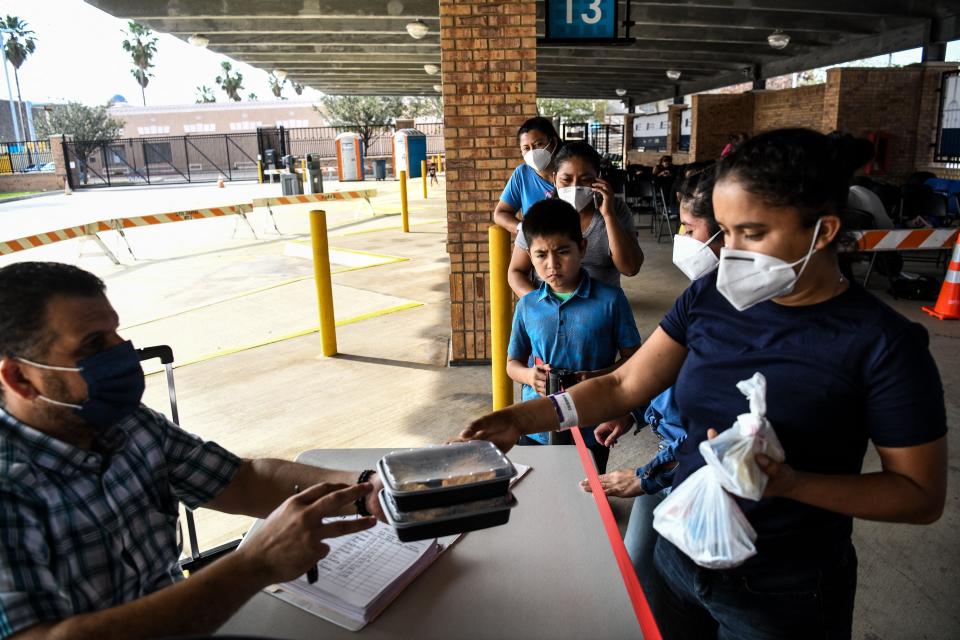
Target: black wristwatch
x,y
361,502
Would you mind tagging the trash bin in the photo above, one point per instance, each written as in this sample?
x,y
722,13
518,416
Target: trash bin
x,y
314,179
270,164
290,184
380,169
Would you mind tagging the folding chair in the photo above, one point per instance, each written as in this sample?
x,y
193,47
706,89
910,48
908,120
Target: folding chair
x,y
197,558
665,216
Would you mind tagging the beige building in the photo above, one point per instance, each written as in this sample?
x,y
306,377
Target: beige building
x,y
215,117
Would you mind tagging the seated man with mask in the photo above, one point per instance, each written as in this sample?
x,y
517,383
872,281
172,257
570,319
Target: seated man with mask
x,y
91,480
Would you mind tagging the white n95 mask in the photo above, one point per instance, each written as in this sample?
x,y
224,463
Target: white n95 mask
x,y
538,159
579,197
696,259
746,278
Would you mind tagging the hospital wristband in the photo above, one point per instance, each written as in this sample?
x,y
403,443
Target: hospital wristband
x,y
566,410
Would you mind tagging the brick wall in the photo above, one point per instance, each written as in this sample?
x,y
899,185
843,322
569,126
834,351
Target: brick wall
x,y
800,107
650,158
714,118
489,61
40,181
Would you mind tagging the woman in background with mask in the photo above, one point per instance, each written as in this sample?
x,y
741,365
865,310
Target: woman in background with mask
x,y
842,369
696,254
532,181
608,228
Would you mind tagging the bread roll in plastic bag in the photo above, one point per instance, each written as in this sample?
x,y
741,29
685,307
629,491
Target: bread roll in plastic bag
x,y
705,522
732,453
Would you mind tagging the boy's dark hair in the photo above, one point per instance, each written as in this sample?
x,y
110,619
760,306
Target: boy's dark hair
x,y
541,124
580,150
25,290
698,189
798,168
552,217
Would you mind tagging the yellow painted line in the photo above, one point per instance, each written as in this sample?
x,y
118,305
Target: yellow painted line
x,y
304,332
397,228
387,259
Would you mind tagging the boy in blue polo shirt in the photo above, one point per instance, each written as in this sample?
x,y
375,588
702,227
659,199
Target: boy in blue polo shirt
x,y
570,321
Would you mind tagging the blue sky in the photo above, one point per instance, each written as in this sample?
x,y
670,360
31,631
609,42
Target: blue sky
x,y
79,57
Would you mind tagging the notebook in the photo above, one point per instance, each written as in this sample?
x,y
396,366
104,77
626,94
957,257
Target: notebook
x,y
364,572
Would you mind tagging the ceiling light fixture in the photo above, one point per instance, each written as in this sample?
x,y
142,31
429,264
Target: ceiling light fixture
x,y
673,74
432,69
620,92
280,74
778,39
198,40
438,88
418,29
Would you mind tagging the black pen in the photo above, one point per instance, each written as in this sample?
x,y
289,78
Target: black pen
x,y
312,574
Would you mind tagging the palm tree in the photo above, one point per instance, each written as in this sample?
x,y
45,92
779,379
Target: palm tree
x,y
232,84
252,97
205,95
298,88
20,43
142,46
276,85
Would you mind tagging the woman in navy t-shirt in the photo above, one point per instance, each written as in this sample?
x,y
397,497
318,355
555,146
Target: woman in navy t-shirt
x,y
843,369
532,181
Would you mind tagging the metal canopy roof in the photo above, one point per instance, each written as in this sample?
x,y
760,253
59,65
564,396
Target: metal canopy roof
x,y
362,47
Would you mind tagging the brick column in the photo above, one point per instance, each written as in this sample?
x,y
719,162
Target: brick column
x,y
627,137
59,162
489,62
674,115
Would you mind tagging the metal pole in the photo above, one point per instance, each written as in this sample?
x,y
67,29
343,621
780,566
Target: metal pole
x,y
423,177
6,74
321,273
404,215
499,239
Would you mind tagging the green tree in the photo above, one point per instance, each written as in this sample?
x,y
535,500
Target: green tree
x,y
91,128
572,110
141,44
205,95
252,97
231,83
276,86
425,107
364,114
20,43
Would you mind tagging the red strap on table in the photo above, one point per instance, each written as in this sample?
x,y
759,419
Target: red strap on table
x,y
648,625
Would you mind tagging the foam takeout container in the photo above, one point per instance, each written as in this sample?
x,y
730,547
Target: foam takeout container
x,y
435,522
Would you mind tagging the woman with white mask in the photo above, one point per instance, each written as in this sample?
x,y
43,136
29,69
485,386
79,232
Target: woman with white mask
x,y
843,370
605,220
696,254
532,181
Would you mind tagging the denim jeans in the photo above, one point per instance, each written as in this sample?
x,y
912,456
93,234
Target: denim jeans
x,y
801,601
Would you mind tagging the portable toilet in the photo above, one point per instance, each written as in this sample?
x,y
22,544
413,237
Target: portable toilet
x,y
409,150
349,157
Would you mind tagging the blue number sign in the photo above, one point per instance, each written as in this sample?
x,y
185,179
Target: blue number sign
x,y
581,19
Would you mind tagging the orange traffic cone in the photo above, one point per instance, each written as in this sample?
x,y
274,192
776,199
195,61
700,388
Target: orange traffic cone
x,y
948,304
220,182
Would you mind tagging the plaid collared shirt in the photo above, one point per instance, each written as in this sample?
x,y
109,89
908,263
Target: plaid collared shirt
x,y
84,530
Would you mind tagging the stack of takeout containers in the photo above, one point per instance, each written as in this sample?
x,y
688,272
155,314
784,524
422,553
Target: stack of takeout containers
x,y
442,490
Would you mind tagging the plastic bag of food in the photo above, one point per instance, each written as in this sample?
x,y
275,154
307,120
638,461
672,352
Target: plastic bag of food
x,y
732,453
705,522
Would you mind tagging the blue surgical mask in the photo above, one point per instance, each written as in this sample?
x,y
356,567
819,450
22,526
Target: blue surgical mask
x,y
114,385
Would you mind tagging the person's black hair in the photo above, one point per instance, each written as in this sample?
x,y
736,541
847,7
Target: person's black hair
x,y
697,188
551,217
541,124
662,158
798,168
25,290
580,150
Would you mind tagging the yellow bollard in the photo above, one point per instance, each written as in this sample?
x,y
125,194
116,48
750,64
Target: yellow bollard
x,y
423,177
259,172
404,215
500,320
439,164
321,273
303,173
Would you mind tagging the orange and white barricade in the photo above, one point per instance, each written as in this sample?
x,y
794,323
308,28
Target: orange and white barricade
x,y
879,240
92,229
308,198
